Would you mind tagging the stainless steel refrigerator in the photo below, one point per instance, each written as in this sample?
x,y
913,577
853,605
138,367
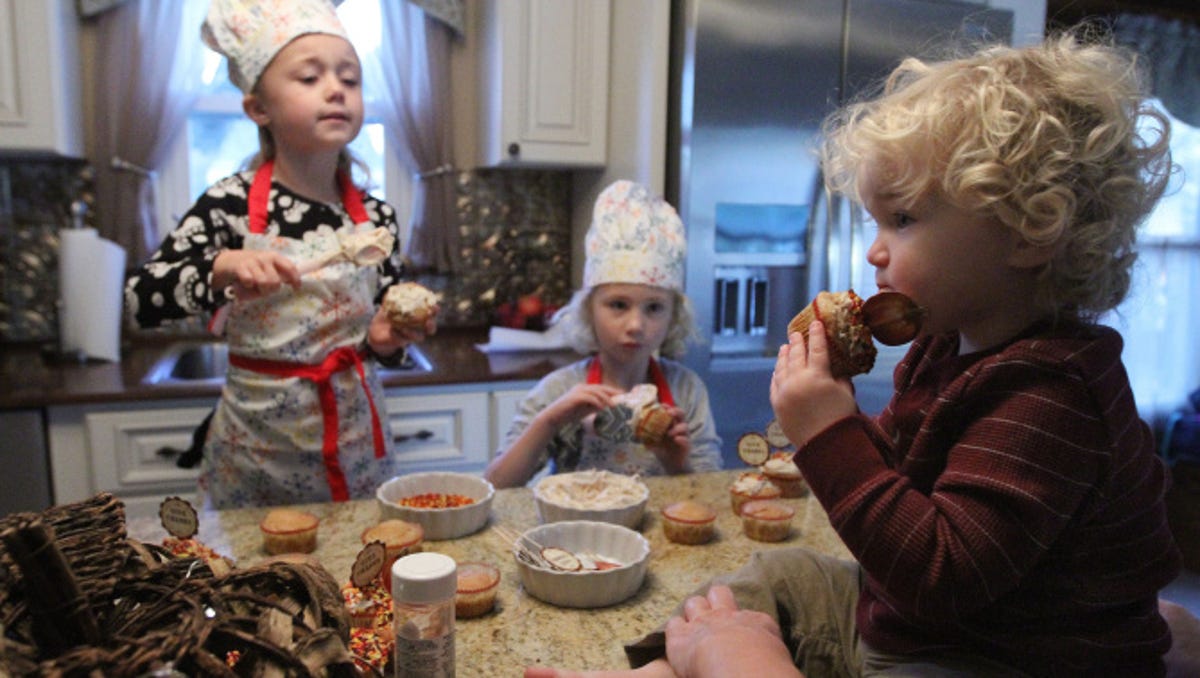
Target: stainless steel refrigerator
x,y
751,81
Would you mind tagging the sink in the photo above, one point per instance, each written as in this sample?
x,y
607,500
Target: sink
x,y
207,362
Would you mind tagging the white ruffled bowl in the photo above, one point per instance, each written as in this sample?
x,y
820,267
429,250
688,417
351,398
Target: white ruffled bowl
x,y
592,588
443,523
628,514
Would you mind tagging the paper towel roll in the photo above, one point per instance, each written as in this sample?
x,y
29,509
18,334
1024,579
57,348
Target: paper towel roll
x,y
91,281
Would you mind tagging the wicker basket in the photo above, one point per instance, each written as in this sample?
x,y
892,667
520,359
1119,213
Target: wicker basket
x,y
77,597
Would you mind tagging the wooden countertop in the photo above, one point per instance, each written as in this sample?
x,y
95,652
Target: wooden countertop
x,y
32,381
522,630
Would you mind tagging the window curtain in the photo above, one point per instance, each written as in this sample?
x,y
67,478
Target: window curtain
x,y
137,114
1160,320
412,81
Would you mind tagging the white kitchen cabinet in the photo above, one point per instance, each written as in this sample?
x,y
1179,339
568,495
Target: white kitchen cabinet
x,y
544,77
40,77
504,406
438,431
119,448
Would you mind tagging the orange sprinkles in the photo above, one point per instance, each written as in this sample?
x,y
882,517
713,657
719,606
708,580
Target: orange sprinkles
x,y
436,500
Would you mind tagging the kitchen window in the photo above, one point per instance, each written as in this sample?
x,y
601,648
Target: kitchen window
x,y
1160,319
220,138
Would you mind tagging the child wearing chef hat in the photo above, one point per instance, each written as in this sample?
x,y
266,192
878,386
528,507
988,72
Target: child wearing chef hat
x,y
632,318
294,258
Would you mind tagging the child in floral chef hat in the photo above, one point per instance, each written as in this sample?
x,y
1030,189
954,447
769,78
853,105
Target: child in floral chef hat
x,y
632,317
295,258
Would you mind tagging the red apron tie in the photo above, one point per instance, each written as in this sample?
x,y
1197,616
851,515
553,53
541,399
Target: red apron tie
x,y
337,360
594,376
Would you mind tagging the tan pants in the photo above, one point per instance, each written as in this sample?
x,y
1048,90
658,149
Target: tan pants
x,y
812,597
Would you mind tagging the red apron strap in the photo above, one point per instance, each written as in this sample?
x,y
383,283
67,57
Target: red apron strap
x,y
337,360
259,197
352,199
594,376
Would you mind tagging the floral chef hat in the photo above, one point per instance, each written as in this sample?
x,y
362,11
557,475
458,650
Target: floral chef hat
x,y
636,237
251,32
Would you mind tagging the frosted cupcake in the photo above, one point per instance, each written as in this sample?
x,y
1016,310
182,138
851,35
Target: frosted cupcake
x,y
689,522
784,474
750,486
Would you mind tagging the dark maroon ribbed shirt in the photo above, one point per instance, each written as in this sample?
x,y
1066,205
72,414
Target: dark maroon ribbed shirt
x,y
1009,503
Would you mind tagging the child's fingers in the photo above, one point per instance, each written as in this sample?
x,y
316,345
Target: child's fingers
x,y
818,346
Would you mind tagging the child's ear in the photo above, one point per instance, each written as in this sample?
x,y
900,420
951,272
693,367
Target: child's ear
x,y
1030,255
255,110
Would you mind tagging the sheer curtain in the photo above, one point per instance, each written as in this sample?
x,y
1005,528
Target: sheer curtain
x,y
413,85
138,113
1160,320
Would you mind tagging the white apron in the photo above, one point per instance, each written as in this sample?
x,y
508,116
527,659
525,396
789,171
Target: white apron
x,y
300,418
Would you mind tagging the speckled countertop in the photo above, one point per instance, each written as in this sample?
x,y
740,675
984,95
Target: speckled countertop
x,y
522,630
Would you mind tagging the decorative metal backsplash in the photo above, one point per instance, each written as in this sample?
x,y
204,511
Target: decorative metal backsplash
x,y
35,204
515,228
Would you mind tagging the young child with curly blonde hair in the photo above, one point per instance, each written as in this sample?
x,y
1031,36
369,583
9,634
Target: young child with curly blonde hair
x,y
1005,511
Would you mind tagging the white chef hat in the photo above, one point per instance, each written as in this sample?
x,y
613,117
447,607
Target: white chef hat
x,y
635,237
251,32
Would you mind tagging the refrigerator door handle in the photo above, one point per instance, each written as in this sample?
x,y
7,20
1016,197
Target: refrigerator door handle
x,y
821,223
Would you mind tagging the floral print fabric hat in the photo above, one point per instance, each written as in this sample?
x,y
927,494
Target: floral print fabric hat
x,y
635,237
251,32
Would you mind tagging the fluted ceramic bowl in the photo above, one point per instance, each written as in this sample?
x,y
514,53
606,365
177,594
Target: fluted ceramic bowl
x,y
592,495
438,523
584,588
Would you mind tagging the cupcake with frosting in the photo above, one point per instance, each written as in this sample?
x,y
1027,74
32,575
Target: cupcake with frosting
x,y
782,471
750,486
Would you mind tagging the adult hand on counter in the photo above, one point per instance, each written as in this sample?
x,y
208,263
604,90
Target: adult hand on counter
x,y
253,273
715,638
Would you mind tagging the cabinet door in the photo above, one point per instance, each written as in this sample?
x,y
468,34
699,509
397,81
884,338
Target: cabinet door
x,y
127,450
440,432
39,77
504,406
545,82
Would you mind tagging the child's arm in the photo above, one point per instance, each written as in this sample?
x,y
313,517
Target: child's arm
x,y
516,465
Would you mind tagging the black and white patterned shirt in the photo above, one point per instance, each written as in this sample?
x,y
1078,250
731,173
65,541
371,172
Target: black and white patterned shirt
x,y
176,282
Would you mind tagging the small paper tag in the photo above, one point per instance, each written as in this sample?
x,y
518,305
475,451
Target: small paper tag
x,y
368,564
775,435
178,517
753,448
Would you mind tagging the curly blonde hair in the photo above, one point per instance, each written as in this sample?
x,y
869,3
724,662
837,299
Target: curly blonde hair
x,y
575,320
1055,141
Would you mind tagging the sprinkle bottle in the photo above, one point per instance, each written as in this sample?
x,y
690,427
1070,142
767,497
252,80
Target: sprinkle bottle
x,y
423,589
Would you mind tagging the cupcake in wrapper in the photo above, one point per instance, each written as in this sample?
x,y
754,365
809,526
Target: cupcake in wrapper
x,y
784,474
652,424
689,522
289,531
369,606
851,350
477,584
409,305
399,537
750,486
767,520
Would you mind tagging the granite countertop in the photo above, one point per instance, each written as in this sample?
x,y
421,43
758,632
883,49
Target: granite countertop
x,y
522,630
33,380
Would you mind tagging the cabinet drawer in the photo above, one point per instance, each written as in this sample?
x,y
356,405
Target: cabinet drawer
x,y
130,449
440,431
